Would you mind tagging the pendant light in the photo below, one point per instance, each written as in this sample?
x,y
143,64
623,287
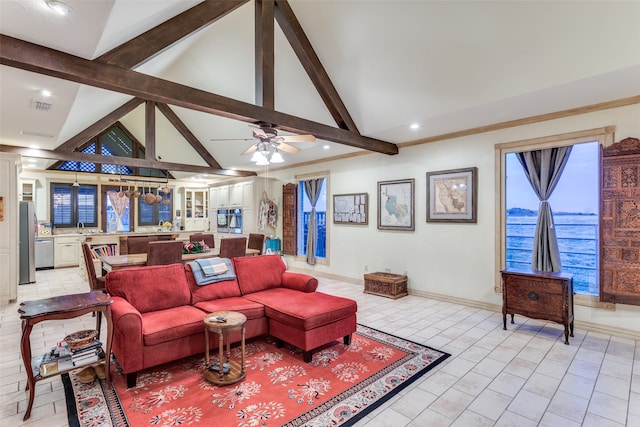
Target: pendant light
x,y
75,183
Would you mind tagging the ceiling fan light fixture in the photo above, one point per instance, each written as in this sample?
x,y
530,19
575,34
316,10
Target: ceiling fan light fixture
x,y
262,160
277,157
256,156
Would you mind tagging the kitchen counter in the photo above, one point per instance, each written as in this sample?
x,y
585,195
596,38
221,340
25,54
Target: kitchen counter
x,y
132,233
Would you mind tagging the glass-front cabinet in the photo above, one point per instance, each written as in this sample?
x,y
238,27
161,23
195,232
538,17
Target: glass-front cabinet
x,y
196,209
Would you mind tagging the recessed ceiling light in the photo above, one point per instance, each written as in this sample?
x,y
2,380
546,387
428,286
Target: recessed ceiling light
x,y
46,93
34,146
326,146
58,7
415,126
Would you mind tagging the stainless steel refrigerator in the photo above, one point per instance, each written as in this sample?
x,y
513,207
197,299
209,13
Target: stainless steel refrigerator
x,y
27,236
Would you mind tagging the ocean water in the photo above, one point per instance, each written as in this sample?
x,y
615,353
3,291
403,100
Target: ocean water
x,y
577,240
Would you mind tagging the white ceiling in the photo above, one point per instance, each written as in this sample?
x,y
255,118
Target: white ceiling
x,y
446,65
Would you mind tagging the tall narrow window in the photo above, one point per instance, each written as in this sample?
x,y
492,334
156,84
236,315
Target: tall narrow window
x,y
73,205
575,215
117,210
308,213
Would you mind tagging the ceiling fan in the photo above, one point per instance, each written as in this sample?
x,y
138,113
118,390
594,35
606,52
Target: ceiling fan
x,y
269,144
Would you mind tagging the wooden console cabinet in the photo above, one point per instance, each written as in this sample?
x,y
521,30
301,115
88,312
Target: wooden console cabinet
x,y
539,295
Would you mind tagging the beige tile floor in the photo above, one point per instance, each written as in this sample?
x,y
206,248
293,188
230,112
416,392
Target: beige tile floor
x,y
522,377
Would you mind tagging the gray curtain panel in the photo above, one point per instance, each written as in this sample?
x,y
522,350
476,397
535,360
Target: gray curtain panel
x,y
312,188
543,169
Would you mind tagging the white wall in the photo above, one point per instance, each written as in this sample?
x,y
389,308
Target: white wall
x,y
451,260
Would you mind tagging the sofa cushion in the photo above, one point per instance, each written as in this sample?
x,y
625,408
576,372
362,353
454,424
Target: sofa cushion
x,y
257,273
251,309
171,324
304,311
150,288
225,289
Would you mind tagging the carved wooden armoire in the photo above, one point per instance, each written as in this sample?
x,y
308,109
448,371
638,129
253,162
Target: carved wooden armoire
x,y
620,222
289,204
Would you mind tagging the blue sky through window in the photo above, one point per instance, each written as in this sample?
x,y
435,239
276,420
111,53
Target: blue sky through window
x,y
576,191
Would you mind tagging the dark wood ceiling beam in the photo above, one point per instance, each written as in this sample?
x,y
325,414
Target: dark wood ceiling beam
x,y
188,135
99,126
39,59
301,45
150,130
264,53
149,44
120,161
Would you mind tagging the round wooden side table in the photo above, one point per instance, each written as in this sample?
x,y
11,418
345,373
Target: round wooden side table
x,y
229,371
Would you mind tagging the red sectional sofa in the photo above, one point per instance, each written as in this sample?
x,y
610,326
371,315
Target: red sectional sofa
x,y
158,311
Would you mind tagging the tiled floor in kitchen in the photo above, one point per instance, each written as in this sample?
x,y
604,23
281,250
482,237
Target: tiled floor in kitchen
x,y
525,376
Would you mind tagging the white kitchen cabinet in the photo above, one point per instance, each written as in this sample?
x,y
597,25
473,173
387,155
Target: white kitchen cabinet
x,y
245,195
236,193
28,190
196,209
9,167
223,196
66,252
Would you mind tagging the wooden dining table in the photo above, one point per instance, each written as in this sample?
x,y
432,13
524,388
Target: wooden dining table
x,y
118,262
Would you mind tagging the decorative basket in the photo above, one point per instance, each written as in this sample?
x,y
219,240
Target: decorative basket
x,y
80,339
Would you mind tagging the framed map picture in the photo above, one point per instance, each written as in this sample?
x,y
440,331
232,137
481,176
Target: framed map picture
x,y
396,205
351,208
451,195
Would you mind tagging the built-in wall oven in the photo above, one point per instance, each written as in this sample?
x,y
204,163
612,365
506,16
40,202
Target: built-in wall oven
x,y
229,221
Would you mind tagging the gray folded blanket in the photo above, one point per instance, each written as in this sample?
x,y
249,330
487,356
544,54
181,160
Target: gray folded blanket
x,y
212,270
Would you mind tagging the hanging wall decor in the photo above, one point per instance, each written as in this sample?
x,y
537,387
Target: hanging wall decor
x,y
451,195
351,208
396,205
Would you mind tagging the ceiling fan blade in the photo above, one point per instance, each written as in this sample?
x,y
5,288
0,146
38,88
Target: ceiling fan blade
x,y
297,138
288,148
231,139
250,150
258,133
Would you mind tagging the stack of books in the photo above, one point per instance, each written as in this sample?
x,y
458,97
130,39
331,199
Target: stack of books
x,y
62,358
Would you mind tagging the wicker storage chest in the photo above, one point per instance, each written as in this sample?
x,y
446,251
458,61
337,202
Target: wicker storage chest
x,y
386,284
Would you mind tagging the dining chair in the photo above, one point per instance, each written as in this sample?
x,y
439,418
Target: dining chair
x,y
95,283
164,252
232,247
256,241
139,244
208,239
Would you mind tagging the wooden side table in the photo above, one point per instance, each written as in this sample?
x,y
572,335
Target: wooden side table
x,y
57,308
539,295
235,321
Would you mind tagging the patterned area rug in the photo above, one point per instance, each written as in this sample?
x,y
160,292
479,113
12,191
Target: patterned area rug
x,y
340,386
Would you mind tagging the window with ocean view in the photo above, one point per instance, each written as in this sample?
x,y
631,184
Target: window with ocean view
x,y
304,215
574,203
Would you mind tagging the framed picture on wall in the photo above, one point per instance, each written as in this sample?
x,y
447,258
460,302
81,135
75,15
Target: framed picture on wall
x,y
396,205
451,195
351,208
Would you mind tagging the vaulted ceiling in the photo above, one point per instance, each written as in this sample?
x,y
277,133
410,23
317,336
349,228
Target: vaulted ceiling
x,y
356,74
